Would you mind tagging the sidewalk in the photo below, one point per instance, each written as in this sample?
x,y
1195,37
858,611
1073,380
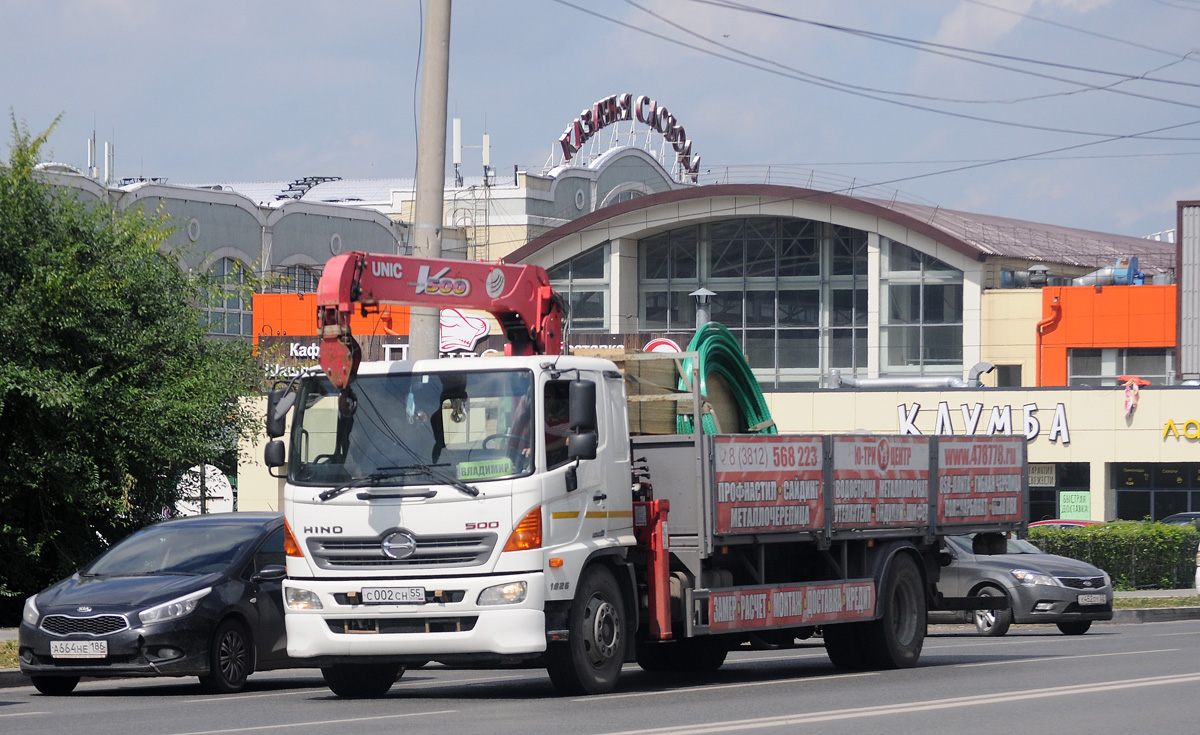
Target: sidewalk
x,y
14,678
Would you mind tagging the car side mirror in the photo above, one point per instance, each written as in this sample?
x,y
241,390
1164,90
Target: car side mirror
x,y
269,573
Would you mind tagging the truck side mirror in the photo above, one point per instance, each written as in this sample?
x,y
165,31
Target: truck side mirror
x,y
279,402
274,454
582,446
582,396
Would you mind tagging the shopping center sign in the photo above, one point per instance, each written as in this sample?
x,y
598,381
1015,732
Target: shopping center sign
x,y
1189,429
1000,421
623,107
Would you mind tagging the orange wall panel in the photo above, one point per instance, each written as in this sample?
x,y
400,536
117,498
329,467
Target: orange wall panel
x,y
1099,317
286,314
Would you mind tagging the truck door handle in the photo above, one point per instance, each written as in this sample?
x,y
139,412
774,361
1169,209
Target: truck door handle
x,y
599,496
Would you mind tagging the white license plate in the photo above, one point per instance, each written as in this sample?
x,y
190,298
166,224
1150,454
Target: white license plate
x,y
78,649
392,595
1092,599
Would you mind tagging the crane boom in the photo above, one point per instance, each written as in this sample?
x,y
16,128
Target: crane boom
x,y
519,296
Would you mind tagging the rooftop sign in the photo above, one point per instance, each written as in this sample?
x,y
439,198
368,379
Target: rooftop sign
x,y
622,107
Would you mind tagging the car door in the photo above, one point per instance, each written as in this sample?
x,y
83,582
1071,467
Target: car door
x,y
270,636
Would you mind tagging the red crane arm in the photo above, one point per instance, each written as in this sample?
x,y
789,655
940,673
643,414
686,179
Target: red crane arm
x,y
519,296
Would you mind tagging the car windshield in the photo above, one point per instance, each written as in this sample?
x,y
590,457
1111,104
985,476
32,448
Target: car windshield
x,y
1014,545
415,429
175,549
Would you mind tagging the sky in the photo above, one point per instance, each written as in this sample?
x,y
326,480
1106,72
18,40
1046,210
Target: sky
x,y
1079,113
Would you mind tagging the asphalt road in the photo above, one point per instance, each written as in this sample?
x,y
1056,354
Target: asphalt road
x,y
1118,677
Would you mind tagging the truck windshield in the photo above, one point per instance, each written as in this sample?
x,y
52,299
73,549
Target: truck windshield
x,y
410,428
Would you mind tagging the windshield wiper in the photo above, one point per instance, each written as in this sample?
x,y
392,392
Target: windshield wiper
x,y
389,473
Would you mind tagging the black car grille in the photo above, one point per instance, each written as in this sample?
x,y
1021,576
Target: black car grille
x,y
91,625
1082,583
430,551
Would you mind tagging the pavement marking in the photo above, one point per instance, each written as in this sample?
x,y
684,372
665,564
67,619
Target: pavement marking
x,y
1044,659
22,714
913,707
281,725
677,690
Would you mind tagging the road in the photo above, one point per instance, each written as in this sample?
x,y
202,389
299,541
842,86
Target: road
x,y
1117,678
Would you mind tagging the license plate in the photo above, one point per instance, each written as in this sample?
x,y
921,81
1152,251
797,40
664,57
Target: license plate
x,y
1092,599
393,595
78,649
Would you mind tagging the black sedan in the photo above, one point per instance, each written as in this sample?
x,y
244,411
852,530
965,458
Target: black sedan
x,y
1041,588
196,596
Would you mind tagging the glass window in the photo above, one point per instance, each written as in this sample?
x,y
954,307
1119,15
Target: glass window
x,y
558,424
924,313
799,308
1105,366
227,304
583,282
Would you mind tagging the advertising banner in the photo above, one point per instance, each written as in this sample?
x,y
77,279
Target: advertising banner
x,y
880,482
979,479
769,483
793,605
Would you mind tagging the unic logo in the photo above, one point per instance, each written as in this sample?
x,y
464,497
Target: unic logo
x,y
386,270
440,283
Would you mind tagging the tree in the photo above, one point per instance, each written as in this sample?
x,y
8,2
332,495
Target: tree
x,y
109,386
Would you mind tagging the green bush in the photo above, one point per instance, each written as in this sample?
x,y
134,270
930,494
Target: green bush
x,y
1135,555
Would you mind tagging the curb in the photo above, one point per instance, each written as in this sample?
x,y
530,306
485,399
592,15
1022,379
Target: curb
x,y
13,678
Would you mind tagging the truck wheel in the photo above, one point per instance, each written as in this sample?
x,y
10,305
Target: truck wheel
x,y
842,646
992,623
694,655
361,681
894,641
1076,627
55,686
589,661
230,659
651,657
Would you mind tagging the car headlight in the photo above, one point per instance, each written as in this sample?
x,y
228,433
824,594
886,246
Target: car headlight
x,y
176,608
30,614
512,593
301,599
1030,578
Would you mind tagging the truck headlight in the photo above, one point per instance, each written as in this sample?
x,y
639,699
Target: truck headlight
x,y
301,599
176,608
30,614
1032,579
512,593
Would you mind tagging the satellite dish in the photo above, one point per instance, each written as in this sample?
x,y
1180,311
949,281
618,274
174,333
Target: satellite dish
x,y
218,492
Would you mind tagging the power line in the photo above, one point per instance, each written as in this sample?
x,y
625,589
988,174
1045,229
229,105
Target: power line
x,y
836,87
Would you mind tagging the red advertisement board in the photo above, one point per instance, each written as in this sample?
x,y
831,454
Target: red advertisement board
x,y
979,479
769,483
792,605
880,482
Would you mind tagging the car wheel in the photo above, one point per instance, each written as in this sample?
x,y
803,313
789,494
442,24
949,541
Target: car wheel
x,y
55,686
589,661
1076,627
993,623
361,681
231,659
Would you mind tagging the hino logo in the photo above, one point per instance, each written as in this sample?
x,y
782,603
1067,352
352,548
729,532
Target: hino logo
x,y
399,545
322,529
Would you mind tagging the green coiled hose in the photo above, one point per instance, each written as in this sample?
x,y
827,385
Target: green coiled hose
x,y
720,353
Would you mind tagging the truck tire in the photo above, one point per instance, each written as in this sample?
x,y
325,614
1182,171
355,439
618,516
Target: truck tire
x,y
230,659
589,661
992,623
894,641
842,646
361,681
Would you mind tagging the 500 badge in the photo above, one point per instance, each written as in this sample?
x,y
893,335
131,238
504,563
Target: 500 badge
x,y
440,283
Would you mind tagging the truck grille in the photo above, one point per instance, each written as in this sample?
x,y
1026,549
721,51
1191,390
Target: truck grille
x,y
91,625
1082,583
430,551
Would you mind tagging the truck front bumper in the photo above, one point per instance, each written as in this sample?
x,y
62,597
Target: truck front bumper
x,y
452,625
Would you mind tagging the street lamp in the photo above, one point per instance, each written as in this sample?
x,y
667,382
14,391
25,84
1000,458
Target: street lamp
x,y
702,296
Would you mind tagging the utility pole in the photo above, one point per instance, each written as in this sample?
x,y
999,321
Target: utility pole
x,y
423,339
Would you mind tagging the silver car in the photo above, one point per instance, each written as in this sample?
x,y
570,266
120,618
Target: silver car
x,y
1041,588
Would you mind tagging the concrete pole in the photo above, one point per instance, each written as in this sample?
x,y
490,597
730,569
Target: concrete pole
x,y
431,168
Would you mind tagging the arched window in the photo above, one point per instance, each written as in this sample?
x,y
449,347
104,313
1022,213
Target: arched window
x,y
227,310
295,279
